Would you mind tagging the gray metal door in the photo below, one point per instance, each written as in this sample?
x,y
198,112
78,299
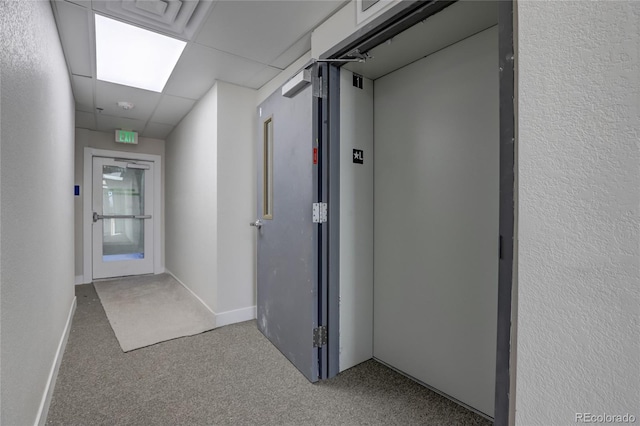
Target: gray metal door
x,y
288,306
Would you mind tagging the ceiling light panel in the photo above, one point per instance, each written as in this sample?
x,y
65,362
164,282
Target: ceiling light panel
x,y
133,56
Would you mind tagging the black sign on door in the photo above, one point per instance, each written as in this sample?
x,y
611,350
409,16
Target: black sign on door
x,y
358,156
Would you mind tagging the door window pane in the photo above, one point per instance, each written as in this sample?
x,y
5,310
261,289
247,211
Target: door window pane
x,y
267,170
122,195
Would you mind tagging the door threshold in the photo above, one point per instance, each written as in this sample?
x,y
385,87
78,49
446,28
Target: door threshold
x,y
95,280
439,392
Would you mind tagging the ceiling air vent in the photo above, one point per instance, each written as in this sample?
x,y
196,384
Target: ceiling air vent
x,y
172,17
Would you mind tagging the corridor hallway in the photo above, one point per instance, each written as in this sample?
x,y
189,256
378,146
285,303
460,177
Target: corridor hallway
x,y
231,375
571,143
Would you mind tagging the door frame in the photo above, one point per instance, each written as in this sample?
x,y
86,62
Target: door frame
x,y
87,208
393,21
326,133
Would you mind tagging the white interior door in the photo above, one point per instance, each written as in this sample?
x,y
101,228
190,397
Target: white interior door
x,y
122,217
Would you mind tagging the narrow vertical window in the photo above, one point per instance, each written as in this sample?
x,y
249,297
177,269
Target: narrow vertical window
x,y
267,170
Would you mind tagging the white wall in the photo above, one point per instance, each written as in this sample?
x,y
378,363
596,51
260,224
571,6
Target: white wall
x,y
90,139
37,271
436,219
191,209
579,210
210,200
356,222
236,200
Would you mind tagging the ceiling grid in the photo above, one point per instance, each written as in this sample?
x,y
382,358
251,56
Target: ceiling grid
x,y
246,43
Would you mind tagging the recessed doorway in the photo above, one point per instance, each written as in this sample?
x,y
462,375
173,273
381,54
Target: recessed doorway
x,y
121,214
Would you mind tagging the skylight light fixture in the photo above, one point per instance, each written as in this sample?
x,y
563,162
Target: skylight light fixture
x,y
135,57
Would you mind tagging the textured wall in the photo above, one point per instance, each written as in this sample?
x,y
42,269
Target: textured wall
x,y
36,202
191,213
579,211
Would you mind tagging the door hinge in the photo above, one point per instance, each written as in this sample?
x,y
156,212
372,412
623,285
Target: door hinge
x,y
319,336
320,212
318,87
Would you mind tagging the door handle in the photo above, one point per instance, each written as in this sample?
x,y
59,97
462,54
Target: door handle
x,y
257,224
97,217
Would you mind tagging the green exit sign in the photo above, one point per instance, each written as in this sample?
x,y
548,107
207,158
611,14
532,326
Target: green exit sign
x,y
124,136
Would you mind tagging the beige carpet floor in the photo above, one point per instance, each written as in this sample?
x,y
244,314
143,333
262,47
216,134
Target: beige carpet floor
x,y
228,376
150,309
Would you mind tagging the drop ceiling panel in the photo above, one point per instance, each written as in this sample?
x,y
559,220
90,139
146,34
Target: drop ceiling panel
x,y
163,11
262,30
83,92
75,34
85,120
265,75
290,55
255,40
457,22
200,66
177,18
157,130
109,94
106,123
83,3
171,109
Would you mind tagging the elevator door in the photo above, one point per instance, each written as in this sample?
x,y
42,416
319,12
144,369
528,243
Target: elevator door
x,y
436,219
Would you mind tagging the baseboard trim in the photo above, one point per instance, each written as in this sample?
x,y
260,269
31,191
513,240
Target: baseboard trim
x,y
235,316
223,318
194,295
43,411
